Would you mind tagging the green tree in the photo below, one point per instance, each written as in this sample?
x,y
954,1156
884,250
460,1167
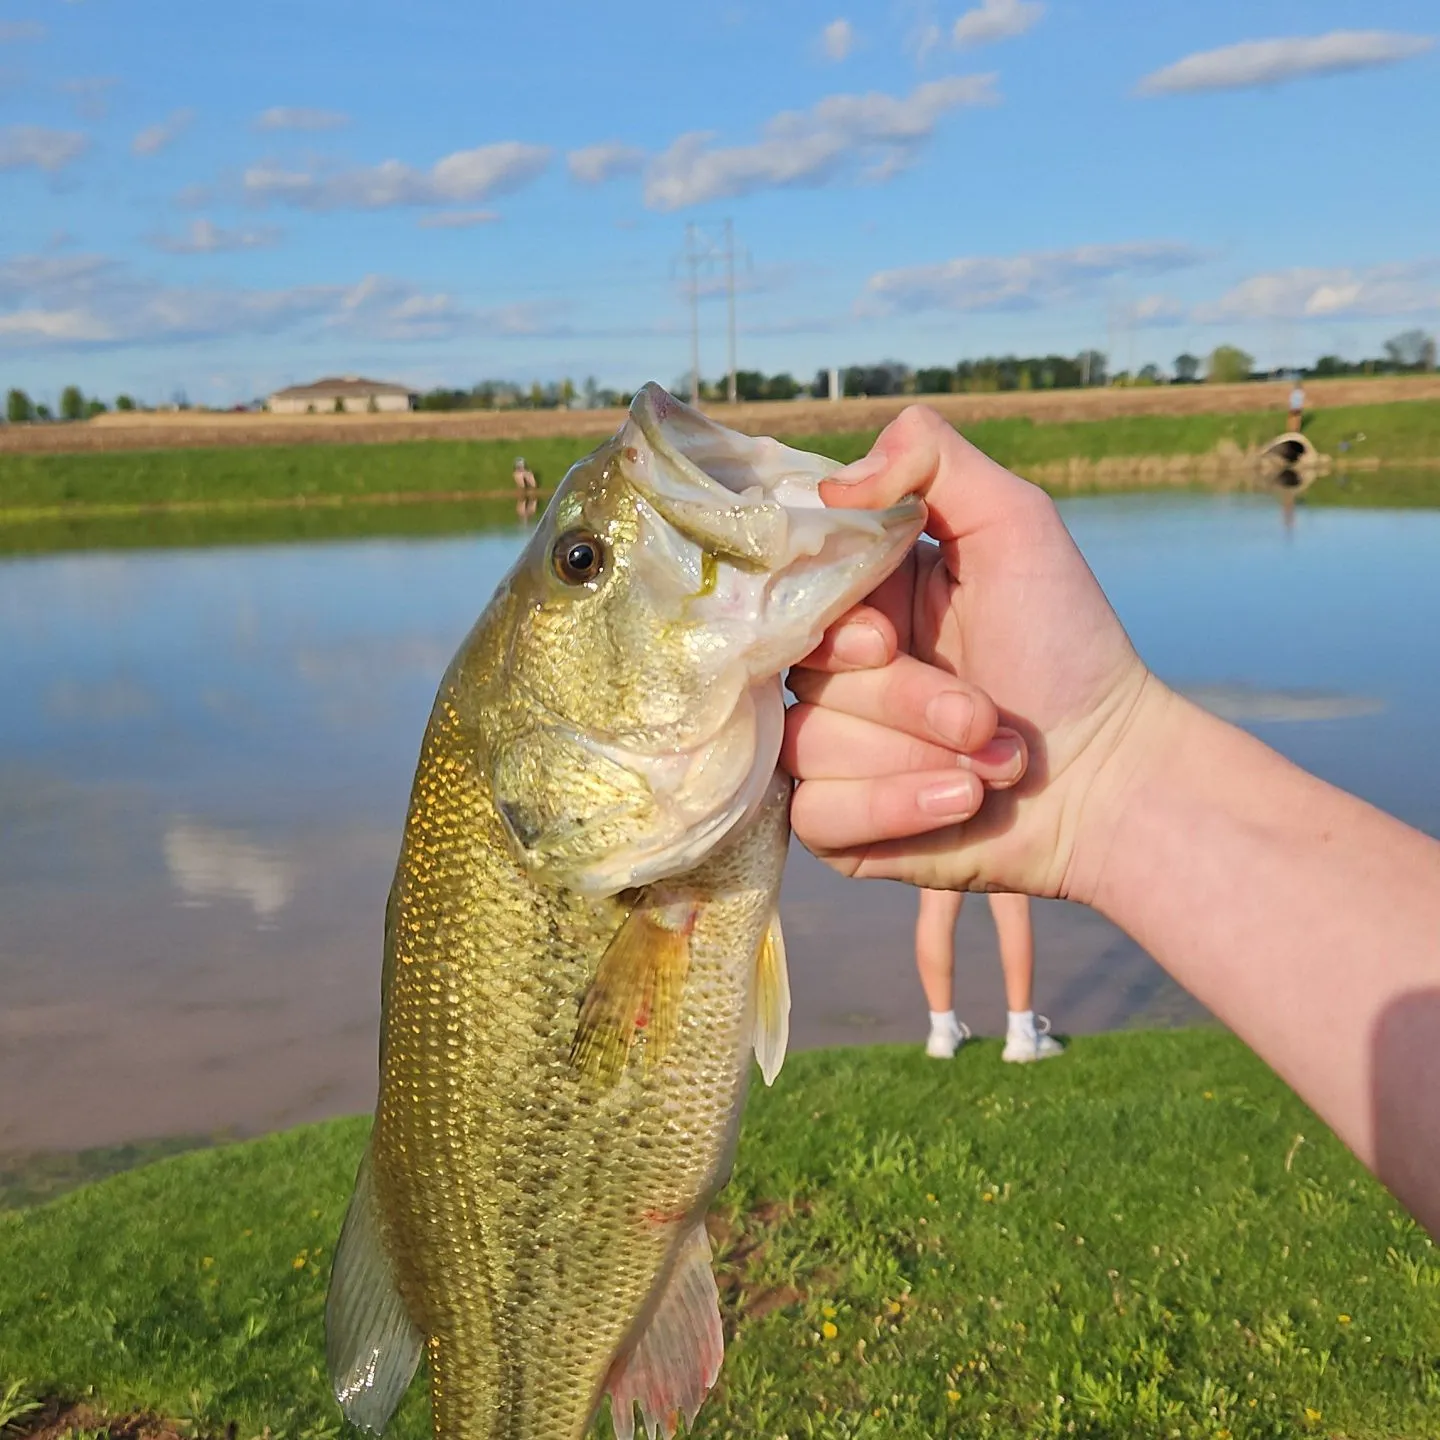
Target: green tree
x,y
94,408
1187,369
1227,364
42,412
339,406
72,403
18,409
1411,350
124,402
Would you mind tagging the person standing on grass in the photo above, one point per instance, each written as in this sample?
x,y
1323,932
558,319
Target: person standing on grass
x,y
1297,407
1026,1036
523,475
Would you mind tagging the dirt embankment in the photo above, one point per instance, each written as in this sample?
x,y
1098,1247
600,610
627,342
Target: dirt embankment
x,y
798,417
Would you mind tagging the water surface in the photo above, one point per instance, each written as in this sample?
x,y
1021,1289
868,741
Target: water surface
x,y
205,757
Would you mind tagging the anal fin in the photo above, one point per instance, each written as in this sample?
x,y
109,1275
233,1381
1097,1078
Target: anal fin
x,y
637,988
671,1370
772,1002
371,1345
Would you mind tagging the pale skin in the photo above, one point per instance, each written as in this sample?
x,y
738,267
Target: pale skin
x,y
983,723
935,947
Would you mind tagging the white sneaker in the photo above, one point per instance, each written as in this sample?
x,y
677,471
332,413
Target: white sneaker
x,y
1023,1046
946,1040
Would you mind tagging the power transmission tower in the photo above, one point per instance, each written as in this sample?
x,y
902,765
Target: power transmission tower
x,y
693,258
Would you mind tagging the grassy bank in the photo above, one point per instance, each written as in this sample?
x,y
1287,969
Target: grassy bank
x,y
1150,1237
30,483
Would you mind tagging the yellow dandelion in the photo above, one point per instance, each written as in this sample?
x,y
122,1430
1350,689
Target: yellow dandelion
x,y
1209,1094
952,1396
1343,1319
828,1311
828,1330
892,1307
987,1197
930,1199
247,1233
207,1262
298,1263
1311,1415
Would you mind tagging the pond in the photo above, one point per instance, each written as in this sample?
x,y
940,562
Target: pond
x,y
205,757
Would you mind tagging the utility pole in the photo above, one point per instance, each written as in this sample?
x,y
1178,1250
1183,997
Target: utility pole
x,y
730,297
692,257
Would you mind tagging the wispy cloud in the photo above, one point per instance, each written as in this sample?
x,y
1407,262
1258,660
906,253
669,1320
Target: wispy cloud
x,y
1270,62
996,20
298,117
1402,288
12,32
155,138
85,301
874,134
837,40
39,147
204,237
467,176
595,164
91,95
458,219
1018,282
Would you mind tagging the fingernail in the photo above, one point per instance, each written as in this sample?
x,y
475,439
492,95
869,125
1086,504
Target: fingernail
x,y
1005,752
950,716
858,470
860,645
950,799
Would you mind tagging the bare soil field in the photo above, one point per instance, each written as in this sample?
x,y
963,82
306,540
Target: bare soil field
x,y
798,417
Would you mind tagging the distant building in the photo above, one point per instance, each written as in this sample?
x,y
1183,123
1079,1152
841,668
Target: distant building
x,y
356,396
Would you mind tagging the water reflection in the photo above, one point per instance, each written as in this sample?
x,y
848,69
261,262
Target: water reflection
x,y
205,758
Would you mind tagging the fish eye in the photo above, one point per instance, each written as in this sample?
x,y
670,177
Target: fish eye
x,y
578,557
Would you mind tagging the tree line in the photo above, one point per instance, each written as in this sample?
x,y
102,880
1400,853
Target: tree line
x,y
1410,352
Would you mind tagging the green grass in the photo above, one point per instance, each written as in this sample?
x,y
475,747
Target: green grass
x,y
28,483
1151,1237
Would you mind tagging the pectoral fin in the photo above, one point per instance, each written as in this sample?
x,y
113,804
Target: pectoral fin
x,y
637,990
772,1002
371,1345
673,1367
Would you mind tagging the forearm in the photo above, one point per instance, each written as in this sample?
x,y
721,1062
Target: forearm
x,y
1306,920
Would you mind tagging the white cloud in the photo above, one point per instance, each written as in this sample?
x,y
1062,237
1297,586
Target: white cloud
x,y
1154,310
837,40
74,301
204,237
14,31
154,138
996,20
1269,62
1405,288
597,163
466,176
812,147
458,219
1017,282
91,95
40,147
298,117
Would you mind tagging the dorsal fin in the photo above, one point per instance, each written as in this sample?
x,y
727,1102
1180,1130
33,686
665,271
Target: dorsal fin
x,y
671,1370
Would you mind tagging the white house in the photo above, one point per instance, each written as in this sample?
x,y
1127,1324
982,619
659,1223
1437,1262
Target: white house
x,y
354,394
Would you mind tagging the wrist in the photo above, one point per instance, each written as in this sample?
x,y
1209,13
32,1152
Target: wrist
x,y
1145,740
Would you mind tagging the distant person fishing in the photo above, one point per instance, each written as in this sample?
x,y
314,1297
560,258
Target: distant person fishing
x,y
523,475
1297,408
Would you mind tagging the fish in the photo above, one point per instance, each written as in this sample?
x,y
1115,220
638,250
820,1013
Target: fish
x,y
582,949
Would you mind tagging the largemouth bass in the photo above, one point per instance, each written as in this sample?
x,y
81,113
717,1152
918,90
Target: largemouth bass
x,y
581,943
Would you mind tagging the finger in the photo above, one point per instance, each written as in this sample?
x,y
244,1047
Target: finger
x,y
919,454
907,695
861,639
830,815
822,744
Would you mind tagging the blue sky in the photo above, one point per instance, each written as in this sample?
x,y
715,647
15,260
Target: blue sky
x,y
230,198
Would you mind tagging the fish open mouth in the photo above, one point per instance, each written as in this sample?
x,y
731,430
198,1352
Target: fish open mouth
x,y
794,564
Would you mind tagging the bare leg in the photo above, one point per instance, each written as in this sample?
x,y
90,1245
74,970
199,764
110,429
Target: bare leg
x,y
935,946
1017,948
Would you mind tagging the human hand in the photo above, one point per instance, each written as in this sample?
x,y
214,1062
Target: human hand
x,y
974,725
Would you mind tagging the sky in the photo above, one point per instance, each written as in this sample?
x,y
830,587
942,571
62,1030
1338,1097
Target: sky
x,y
227,199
